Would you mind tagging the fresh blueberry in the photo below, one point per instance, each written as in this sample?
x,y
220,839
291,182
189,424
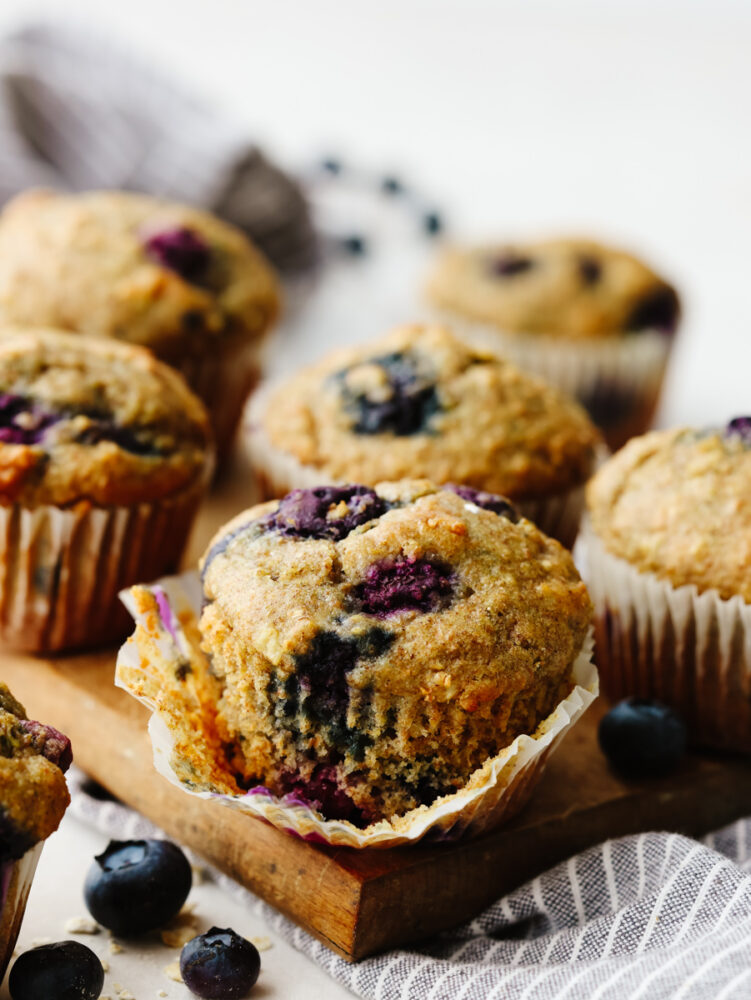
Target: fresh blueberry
x,y
740,427
325,511
392,185
509,264
354,245
180,250
405,409
137,885
66,970
590,269
404,584
658,310
432,223
49,742
642,738
331,166
488,501
219,965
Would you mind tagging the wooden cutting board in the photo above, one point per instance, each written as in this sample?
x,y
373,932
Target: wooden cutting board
x,y
361,902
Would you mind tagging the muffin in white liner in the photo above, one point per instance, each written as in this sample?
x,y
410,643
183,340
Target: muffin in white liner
x,y
165,646
15,884
665,550
594,321
455,414
687,648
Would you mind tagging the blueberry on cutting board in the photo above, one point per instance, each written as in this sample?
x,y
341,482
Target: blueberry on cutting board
x,y
66,971
642,738
135,886
220,965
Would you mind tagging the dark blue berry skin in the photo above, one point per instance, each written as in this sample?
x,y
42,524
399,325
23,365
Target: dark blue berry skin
x,y
136,886
642,738
408,410
331,166
355,246
304,513
220,965
392,586
432,223
63,971
487,501
392,185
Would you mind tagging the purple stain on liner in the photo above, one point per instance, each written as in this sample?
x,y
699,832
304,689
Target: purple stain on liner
x,y
181,250
260,790
392,586
166,613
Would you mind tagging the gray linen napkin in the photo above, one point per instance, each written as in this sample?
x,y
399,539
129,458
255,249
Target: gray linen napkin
x,y
77,113
652,916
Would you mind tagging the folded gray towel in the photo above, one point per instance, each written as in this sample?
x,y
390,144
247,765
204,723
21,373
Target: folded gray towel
x,y
76,114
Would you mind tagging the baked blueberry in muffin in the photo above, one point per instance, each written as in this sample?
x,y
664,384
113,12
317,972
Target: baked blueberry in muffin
x,y
421,402
162,275
373,647
593,320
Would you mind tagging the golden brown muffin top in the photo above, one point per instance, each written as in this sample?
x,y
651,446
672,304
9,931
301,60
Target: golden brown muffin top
x,y
572,288
85,419
420,402
410,587
115,264
677,503
33,792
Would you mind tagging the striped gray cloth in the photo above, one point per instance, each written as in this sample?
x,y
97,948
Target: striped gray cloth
x,y
647,917
77,113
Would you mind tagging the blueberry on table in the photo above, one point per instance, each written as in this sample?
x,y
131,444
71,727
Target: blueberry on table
x,y
355,245
642,738
432,223
66,970
219,964
135,886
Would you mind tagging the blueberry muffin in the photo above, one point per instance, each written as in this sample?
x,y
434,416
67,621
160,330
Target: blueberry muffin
x,y
104,457
153,273
374,647
421,402
593,320
33,798
668,554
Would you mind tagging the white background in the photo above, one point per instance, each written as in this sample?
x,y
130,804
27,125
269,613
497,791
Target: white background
x,y
629,120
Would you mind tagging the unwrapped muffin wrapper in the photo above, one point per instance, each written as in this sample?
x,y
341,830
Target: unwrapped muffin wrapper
x,y
632,365
688,649
277,472
166,643
15,882
61,569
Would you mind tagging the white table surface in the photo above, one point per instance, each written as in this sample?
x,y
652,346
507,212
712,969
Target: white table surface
x,y
627,119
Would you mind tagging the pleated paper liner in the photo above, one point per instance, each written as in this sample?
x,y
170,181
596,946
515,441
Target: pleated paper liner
x,y
15,883
162,665
688,649
61,569
277,472
616,379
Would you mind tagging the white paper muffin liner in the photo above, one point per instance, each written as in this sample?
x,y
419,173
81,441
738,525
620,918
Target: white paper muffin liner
x,y
15,883
628,370
166,643
61,569
688,649
277,472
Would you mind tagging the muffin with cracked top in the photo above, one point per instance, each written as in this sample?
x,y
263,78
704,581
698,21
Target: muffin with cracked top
x,y
420,402
593,320
151,272
104,458
33,798
373,648
667,548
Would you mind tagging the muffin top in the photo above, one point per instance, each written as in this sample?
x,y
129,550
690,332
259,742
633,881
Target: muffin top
x,y
33,792
406,588
128,266
677,503
419,402
571,288
94,420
